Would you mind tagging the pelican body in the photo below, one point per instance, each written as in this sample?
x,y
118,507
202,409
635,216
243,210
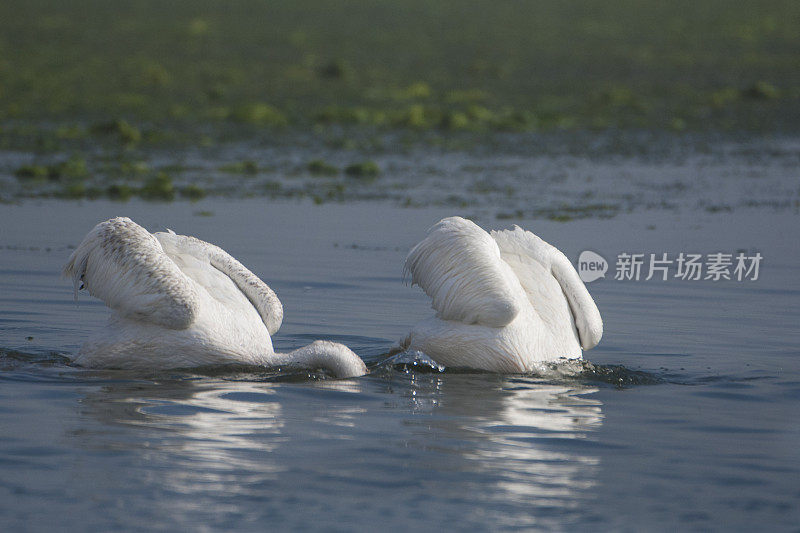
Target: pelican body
x,y
180,302
505,302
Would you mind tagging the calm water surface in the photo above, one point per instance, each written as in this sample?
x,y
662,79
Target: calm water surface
x,y
702,435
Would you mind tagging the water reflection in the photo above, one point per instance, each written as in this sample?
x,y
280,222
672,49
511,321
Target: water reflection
x,y
533,448
201,436
488,449
212,450
529,440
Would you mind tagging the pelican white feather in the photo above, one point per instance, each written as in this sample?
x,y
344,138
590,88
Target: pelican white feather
x,y
177,301
458,265
504,302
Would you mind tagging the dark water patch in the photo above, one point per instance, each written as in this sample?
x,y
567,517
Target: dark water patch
x,y
726,380
661,355
731,396
715,428
737,481
33,451
17,320
31,272
14,359
617,375
750,463
257,374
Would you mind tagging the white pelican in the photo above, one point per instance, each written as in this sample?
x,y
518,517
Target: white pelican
x,y
504,302
180,302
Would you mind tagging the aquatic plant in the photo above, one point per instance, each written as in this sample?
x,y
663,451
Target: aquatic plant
x,y
566,213
259,113
159,187
198,27
155,74
73,168
134,167
371,77
336,114
416,91
74,191
363,170
318,167
761,90
271,187
119,192
455,120
417,116
193,192
32,172
120,129
70,132
247,166
335,69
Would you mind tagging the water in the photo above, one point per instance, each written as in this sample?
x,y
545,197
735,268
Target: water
x,y
696,430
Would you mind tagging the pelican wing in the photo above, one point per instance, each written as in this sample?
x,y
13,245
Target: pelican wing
x,y
459,266
260,295
529,256
122,264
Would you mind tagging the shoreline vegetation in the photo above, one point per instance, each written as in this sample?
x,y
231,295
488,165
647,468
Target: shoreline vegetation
x,y
87,87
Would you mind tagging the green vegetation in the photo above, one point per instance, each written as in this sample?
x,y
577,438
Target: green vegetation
x,y
118,129
565,213
367,170
318,167
159,187
445,65
100,96
193,192
241,167
75,191
762,90
259,113
120,192
73,168
32,172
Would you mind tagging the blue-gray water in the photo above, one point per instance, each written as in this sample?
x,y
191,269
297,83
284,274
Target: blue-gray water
x,y
702,435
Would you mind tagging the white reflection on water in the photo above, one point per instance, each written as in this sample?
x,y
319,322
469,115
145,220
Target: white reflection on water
x,y
508,450
528,441
211,437
531,450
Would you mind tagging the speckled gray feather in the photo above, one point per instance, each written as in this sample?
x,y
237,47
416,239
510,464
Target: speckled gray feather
x,y
125,266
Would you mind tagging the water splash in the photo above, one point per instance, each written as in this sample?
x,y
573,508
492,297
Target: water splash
x,y
412,360
559,371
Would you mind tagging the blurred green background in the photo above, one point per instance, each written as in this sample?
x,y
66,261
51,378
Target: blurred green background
x,y
414,64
